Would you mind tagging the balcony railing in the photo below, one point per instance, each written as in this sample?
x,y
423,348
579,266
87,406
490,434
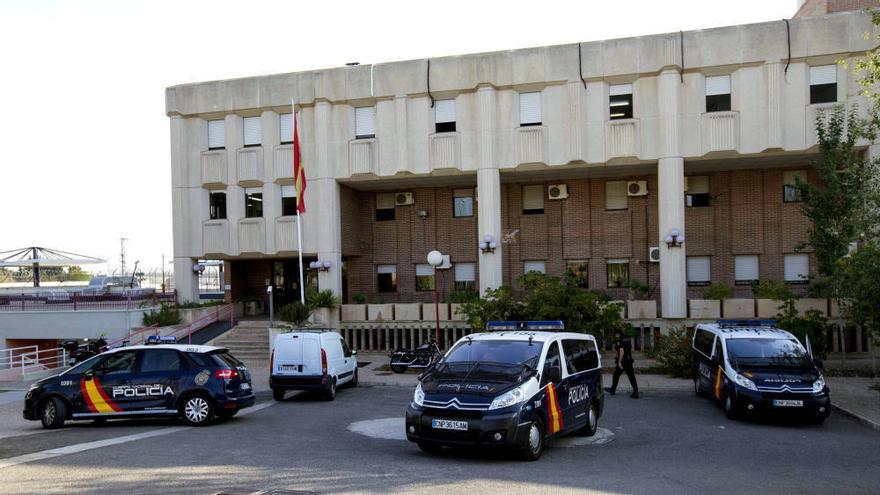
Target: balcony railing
x,y
285,234
362,156
252,235
530,144
622,138
444,151
284,161
215,236
213,165
250,166
720,131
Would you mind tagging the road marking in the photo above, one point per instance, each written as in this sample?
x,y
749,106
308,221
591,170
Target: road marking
x,y
82,447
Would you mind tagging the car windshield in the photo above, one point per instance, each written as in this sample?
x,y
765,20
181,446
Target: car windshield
x,y
517,352
767,352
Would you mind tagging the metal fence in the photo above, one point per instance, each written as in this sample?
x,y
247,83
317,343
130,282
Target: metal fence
x,y
61,300
19,362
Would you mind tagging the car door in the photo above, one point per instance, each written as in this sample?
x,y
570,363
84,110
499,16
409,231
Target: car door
x,y
703,342
104,387
157,382
350,362
551,379
582,363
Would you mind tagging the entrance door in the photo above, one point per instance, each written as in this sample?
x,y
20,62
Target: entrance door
x,y
285,274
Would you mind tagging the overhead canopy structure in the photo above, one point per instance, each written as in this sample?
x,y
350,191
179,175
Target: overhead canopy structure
x,y
36,257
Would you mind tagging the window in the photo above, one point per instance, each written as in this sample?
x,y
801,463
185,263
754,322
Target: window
x,y
533,200
618,272
620,101
797,268
703,341
534,266
217,205
463,203
285,128
216,134
580,270
386,278
465,276
365,122
615,195
444,116
346,351
384,207
745,269
288,201
551,361
424,277
529,109
823,84
253,132
790,191
698,271
160,360
253,202
696,191
580,355
718,94
118,363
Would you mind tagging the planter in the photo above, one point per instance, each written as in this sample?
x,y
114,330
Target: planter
x,y
807,304
189,315
407,312
641,310
325,317
354,312
768,308
704,309
428,312
455,312
379,312
253,308
739,308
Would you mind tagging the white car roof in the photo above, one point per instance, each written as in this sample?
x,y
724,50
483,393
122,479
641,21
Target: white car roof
x,y
524,335
746,331
177,347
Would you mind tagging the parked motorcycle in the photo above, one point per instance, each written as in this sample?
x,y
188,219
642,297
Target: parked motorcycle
x,y
422,357
79,352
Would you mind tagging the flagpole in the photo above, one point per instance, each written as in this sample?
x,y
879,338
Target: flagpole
x,y
299,245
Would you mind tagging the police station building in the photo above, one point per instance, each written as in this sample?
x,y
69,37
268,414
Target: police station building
x,y
668,159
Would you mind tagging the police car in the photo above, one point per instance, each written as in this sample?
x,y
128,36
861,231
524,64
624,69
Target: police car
x,y
752,367
193,382
515,386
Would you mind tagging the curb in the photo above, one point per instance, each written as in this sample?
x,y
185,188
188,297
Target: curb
x,y
859,418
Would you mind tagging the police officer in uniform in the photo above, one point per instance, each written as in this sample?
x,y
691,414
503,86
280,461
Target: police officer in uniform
x,y
623,363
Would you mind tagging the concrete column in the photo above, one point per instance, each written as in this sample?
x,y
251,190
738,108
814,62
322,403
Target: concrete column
x,y
488,190
670,186
329,231
186,281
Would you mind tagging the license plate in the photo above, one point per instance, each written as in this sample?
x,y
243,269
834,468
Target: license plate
x,y
446,424
788,403
245,386
291,367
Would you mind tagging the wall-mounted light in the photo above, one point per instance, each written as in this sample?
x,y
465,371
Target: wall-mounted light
x,y
488,244
423,213
320,266
674,239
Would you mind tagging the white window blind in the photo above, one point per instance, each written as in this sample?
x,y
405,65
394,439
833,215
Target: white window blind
x,y
288,192
386,269
465,272
385,201
823,74
620,89
698,269
789,177
253,190
216,134
252,131
533,266
615,195
530,108
285,124
444,111
697,184
746,267
365,121
797,267
533,198
424,270
717,85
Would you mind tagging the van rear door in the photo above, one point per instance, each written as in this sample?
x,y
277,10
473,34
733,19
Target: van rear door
x,y
297,354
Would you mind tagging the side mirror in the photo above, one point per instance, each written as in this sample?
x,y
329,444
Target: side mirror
x,y
89,374
354,352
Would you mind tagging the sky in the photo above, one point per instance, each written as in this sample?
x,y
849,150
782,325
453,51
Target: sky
x,y
84,137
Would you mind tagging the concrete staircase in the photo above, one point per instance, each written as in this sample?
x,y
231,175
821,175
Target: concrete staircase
x,y
248,341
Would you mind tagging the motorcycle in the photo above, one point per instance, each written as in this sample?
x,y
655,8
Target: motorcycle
x,y
78,352
422,357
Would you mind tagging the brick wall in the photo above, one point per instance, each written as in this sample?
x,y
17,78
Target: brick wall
x,y
822,7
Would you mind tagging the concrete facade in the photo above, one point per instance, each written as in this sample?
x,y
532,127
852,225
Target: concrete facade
x,y
745,151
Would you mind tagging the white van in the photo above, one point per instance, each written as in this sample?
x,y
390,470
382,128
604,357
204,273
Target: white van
x,y
311,360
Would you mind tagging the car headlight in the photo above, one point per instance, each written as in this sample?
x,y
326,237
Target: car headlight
x,y
508,399
419,396
745,382
819,385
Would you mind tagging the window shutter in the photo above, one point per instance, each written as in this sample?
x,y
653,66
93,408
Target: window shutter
x,y
216,134
386,269
717,85
789,177
288,192
462,193
286,127
444,111
746,267
823,74
698,184
797,267
534,266
530,108
615,195
533,197
698,269
465,272
384,201
424,270
365,121
252,131
620,89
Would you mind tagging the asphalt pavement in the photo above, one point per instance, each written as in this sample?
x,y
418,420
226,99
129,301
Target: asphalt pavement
x,y
667,442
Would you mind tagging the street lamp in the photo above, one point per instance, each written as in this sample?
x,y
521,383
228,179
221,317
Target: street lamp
x,y
435,259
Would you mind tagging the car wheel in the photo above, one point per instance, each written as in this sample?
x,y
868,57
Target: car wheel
x,y
330,393
429,448
278,394
698,387
53,413
731,410
196,410
534,442
592,422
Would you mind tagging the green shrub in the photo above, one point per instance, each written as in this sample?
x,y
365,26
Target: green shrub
x,y
716,291
295,313
771,289
637,289
673,352
811,323
321,299
195,305
165,317
359,298
463,296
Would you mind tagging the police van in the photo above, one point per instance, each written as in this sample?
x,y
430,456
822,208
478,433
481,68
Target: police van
x,y
752,367
193,382
515,386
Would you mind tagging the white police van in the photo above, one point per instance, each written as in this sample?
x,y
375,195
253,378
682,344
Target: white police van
x,y
515,386
751,367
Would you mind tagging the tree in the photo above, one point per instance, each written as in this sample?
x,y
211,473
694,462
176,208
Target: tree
x,y
76,274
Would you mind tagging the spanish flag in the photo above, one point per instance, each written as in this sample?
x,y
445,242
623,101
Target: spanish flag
x,y
299,175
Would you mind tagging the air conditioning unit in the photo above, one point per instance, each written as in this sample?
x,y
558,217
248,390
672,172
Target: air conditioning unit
x,y
637,188
403,199
654,254
447,264
557,191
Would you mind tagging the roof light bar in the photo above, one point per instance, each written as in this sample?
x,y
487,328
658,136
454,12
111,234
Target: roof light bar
x,y
157,339
494,326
